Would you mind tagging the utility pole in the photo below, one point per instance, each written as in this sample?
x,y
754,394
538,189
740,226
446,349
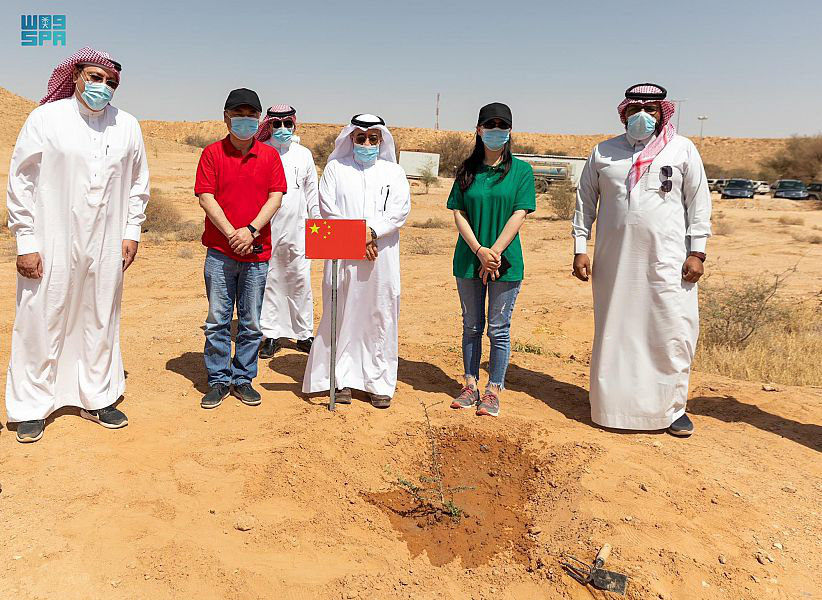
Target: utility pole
x,y
702,119
678,104
437,118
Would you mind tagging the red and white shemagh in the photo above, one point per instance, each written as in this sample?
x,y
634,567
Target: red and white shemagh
x,y
650,152
61,84
279,112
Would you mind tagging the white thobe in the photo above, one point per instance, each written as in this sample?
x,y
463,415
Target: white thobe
x,y
78,186
288,305
368,292
646,317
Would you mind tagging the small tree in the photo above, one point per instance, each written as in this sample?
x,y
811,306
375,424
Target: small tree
x,y
427,177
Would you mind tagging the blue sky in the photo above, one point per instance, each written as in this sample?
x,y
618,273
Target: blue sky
x,y
752,67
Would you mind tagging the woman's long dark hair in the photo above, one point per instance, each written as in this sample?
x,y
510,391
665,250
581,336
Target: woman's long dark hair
x,y
471,165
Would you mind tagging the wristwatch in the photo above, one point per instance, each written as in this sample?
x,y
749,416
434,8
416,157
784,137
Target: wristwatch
x,y
253,230
373,234
700,255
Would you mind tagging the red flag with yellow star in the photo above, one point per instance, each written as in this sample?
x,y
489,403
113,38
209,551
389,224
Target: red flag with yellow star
x,y
335,238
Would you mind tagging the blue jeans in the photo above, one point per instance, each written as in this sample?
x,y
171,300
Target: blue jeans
x,y
501,298
229,282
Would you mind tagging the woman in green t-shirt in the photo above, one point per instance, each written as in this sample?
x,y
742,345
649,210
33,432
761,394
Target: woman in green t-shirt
x,y
491,196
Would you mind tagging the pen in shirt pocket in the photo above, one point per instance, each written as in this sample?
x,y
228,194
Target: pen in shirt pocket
x,y
387,191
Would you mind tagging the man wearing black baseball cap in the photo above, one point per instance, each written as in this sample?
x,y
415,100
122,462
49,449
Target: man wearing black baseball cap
x,y
240,183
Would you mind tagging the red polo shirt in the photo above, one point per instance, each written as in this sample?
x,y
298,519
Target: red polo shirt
x,y
240,185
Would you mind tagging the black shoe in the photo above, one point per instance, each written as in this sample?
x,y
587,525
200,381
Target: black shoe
x,y
247,394
682,427
30,431
343,396
215,396
378,401
305,345
109,417
269,348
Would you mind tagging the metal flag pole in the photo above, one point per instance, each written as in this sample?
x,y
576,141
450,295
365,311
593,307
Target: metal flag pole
x,y
333,375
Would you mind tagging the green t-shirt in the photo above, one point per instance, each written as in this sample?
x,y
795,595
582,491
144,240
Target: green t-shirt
x,y
489,205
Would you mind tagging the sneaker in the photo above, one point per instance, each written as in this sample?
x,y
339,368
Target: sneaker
x,y
682,427
109,417
247,394
269,348
467,398
378,401
489,405
343,396
215,396
30,431
305,345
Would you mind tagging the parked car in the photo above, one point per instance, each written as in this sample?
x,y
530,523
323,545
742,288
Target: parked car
x,y
717,184
815,191
738,188
762,187
793,189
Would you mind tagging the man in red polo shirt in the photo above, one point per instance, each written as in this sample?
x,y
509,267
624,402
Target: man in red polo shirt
x,y
240,183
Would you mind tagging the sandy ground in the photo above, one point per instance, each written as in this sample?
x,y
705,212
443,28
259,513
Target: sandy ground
x,y
156,510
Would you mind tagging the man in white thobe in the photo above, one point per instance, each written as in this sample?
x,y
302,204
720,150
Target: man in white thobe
x,y
362,180
288,305
648,192
77,192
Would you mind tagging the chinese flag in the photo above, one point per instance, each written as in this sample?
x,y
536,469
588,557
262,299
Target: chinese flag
x,y
335,238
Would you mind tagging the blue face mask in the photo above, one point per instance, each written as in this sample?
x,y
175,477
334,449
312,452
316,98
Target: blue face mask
x,y
640,126
282,135
244,127
96,95
366,155
494,139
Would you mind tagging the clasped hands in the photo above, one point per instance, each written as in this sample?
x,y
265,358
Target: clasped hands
x,y
490,262
241,241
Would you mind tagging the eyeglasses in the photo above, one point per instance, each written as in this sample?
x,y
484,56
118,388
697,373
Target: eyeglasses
x,y
277,123
97,78
373,138
496,124
667,171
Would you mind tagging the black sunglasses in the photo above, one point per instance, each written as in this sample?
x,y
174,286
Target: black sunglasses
x,y
277,123
496,124
667,185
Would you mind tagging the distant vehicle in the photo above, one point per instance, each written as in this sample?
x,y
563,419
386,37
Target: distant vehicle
x,y
815,191
717,185
738,188
763,188
549,168
792,189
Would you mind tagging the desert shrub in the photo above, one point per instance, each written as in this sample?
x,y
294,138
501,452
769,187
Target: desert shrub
x,y
801,159
453,148
163,219
722,226
431,223
754,220
527,347
562,199
418,245
523,148
789,220
812,238
427,177
323,149
749,332
199,140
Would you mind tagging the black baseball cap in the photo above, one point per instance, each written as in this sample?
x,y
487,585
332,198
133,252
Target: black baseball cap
x,y
495,110
243,97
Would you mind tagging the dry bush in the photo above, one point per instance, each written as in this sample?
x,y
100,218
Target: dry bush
x,y
787,220
808,239
427,177
562,199
165,221
722,226
418,245
754,220
748,332
527,347
323,149
453,148
185,252
431,223
801,159
199,140
523,148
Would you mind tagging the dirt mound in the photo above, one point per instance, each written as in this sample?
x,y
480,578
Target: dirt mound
x,y
13,112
